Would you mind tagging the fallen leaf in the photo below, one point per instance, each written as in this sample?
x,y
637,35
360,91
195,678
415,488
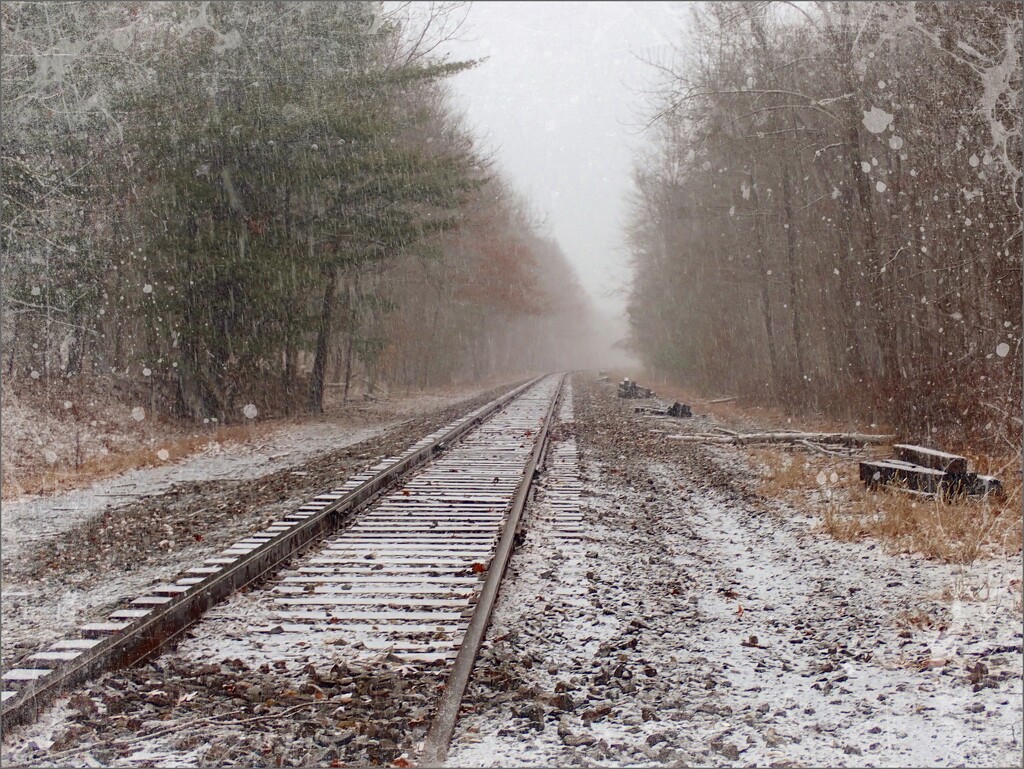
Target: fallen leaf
x,y
478,568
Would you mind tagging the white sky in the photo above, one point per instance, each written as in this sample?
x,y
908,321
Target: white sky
x,y
559,101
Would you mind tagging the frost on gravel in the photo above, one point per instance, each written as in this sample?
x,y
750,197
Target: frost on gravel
x,y
694,627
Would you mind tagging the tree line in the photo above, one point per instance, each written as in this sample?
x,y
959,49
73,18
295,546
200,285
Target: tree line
x,y
245,202
829,214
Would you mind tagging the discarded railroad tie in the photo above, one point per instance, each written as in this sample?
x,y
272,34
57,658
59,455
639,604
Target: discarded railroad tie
x,y
677,409
740,439
630,389
928,471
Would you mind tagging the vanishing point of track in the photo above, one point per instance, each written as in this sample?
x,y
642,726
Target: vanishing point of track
x,y
406,556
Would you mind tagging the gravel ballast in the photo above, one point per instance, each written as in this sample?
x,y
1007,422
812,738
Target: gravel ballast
x,y
690,623
699,625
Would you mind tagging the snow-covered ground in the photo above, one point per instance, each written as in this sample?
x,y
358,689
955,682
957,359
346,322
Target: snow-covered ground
x,y
695,626
35,517
72,556
31,518
694,623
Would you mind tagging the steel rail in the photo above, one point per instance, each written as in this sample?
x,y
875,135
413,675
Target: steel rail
x,y
438,739
131,642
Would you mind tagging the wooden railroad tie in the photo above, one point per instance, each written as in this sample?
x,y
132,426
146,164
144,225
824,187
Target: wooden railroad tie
x,y
929,471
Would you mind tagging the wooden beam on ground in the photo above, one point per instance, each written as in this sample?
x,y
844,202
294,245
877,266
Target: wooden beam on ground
x,y
938,460
741,439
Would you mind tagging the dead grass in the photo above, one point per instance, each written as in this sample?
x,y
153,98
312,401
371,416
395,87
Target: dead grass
x,y
97,437
94,468
959,530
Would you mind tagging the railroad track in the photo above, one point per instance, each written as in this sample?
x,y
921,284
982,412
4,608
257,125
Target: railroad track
x,y
405,558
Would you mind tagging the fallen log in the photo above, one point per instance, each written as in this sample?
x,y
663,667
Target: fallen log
x,y
742,439
823,450
843,439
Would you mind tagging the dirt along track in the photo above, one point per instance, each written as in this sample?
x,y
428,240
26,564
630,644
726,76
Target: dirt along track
x,y
659,612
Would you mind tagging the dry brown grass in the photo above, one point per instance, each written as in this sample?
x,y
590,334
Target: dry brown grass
x,y
62,478
958,530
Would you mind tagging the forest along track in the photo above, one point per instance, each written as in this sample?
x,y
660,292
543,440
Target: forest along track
x,y
403,576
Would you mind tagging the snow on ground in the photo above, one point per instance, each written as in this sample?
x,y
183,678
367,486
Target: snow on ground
x,y
30,518
695,623
695,626
73,556
36,517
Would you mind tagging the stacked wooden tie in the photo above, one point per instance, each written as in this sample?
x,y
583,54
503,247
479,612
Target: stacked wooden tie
x,y
927,471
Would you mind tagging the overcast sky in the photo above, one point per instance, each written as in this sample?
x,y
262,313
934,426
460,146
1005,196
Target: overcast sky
x,y
558,100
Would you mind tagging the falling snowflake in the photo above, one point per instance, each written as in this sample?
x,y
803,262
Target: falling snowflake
x,y
34,374
974,161
821,478
880,186
36,291
865,166
147,289
50,456
877,120
138,413
1002,349
67,404
250,411
163,455
896,142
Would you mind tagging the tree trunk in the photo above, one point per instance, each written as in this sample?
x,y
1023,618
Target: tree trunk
x,y
766,298
794,299
348,365
316,379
